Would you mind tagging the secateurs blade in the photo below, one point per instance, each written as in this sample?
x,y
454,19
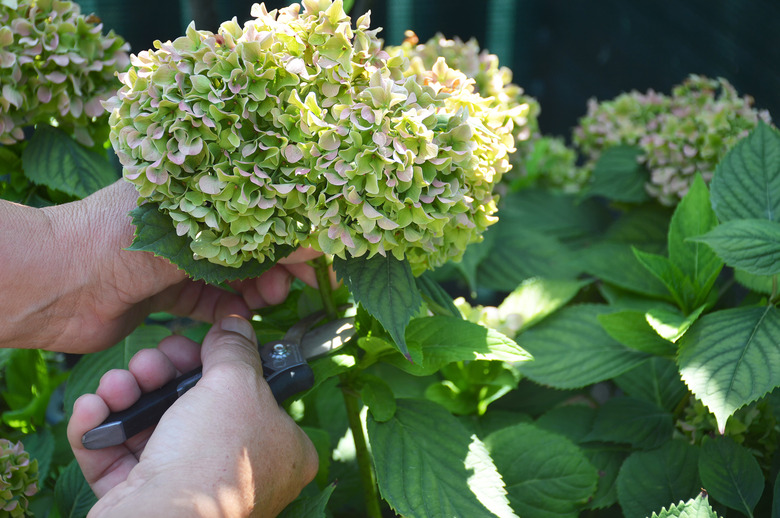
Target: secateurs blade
x,y
285,368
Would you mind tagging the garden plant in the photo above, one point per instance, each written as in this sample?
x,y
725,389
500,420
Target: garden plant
x,y
541,329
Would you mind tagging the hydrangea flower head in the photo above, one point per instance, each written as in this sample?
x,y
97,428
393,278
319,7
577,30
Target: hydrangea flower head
x,y
491,80
297,129
18,478
679,135
55,63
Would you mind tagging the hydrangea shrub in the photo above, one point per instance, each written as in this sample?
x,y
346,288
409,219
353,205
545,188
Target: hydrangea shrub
x,y
55,63
491,80
680,135
18,479
297,129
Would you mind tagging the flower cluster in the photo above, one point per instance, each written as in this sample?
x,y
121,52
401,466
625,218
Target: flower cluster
x,y
490,81
680,135
550,163
503,318
18,479
299,130
55,63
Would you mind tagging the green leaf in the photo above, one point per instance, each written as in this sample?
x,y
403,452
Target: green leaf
x,y
570,349
632,329
616,264
386,288
154,232
429,464
752,245
646,227
730,474
52,158
671,324
632,421
546,475
657,381
650,480
557,214
758,283
693,217
309,507
573,421
679,286
519,254
321,440
40,446
697,507
776,498
72,494
537,298
746,183
730,358
86,374
443,340
437,300
378,397
618,175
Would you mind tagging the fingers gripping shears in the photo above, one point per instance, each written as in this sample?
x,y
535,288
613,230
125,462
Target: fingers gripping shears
x,y
285,368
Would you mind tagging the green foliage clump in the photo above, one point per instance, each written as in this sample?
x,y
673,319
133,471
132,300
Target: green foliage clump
x,y
491,80
18,479
679,135
55,64
299,130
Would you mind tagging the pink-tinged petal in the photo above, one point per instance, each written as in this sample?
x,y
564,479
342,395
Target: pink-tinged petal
x,y
265,203
426,199
60,59
261,174
405,175
176,157
44,94
334,179
386,224
210,185
368,114
292,153
283,188
370,212
56,77
301,171
191,148
182,228
380,139
94,107
156,176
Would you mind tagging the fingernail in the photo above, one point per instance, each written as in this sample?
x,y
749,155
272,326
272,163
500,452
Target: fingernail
x,y
238,325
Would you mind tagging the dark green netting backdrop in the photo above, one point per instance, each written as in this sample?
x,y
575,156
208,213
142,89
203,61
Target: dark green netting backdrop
x,y
561,51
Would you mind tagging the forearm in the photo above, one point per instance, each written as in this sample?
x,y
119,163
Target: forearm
x,y
31,273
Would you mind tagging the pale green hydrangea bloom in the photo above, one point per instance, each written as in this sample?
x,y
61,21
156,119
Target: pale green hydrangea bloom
x,y
18,479
299,130
503,318
490,81
55,63
680,135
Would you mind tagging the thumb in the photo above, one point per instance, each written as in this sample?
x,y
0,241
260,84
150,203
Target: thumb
x,y
232,340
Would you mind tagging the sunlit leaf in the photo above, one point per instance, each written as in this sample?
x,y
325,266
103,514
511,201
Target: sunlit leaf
x,y
572,350
546,475
752,245
698,507
730,358
632,329
429,464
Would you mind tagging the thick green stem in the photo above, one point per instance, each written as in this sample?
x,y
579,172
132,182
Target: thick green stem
x,y
351,401
322,272
367,476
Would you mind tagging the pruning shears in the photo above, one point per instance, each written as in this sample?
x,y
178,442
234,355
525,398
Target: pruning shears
x,y
285,368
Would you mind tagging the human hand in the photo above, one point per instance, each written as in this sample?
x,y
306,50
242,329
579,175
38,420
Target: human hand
x,y
74,287
225,448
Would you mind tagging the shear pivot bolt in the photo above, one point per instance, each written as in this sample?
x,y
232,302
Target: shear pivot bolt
x,y
280,351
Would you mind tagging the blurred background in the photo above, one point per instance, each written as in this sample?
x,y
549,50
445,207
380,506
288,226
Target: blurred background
x,y
562,52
